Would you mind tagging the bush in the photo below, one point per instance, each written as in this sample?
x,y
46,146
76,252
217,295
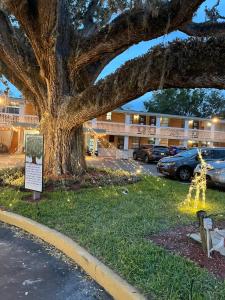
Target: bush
x,y
12,176
92,178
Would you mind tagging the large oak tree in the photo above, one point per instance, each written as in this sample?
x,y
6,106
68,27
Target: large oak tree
x,y
54,50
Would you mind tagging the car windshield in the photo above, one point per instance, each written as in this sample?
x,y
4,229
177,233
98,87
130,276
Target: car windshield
x,y
188,153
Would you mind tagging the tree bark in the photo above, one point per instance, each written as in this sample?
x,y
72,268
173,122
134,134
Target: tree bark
x,y
64,151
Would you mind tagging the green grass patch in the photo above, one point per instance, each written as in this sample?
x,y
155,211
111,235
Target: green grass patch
x,y
113,226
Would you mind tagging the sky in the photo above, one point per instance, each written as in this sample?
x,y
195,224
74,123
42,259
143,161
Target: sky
x,y
141,49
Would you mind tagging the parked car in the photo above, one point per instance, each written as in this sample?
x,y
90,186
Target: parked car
x,y
183,164
149,153
215,174
173,150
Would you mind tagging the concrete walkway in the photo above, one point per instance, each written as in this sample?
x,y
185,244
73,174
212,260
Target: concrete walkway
x,y
34,271
9,161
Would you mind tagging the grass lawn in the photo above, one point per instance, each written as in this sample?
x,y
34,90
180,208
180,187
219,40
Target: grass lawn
x,y
113,225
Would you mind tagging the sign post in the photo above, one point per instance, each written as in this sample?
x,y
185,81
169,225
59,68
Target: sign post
x,y
34,151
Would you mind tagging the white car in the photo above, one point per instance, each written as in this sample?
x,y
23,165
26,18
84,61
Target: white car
x,y
215,173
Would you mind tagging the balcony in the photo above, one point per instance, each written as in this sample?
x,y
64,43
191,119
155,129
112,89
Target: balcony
x,y
15,119
112,128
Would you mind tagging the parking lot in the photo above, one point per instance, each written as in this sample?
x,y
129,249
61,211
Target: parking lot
x,y
129,165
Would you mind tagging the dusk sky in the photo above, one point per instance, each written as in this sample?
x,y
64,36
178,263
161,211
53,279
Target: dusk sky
x,y
141,49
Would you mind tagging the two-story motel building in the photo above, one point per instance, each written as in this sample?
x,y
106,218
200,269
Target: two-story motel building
x,y
118,132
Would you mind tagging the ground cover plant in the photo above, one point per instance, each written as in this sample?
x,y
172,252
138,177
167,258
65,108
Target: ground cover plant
x,y
14,177
114,223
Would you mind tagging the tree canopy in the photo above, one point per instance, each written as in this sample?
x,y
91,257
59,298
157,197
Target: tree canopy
x,y
187,102
53,51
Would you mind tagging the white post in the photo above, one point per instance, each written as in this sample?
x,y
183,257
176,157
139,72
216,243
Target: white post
x,y
212,134
94,123
157,142
157,132
126,143
21,110
186,128
158,124
127,123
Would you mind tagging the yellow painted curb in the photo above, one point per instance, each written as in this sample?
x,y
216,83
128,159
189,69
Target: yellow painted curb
x,y
110,281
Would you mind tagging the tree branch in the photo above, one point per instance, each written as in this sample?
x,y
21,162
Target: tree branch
x,y
183,64
38,19
203,29
22,64
11,76
132,27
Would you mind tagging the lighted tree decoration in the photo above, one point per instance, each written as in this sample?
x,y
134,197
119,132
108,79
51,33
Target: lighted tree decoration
x,y
53,52
197,191
34,147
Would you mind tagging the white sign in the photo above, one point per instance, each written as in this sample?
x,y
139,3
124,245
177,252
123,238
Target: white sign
x,y
34,150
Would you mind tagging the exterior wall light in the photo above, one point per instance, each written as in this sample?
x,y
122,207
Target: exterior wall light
x,y
215,120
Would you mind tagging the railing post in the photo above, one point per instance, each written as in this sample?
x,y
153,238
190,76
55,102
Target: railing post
x,y
94,123
212,134
186,129
127,122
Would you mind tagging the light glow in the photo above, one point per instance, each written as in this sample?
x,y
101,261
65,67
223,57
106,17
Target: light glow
x,y
196,198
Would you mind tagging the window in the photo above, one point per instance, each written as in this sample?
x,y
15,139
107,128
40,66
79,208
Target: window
x,y
164,122
135,142
111,138
151,141
120,142
207,154
142,120
109,116
152,121
11,110
219,154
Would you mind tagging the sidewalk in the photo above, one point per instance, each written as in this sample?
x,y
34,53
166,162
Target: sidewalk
x,y
10,161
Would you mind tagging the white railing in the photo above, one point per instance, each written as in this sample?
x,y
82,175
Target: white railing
x,y
171,133
141,130
202,135
161,132
111,127
29,119
9,119
219,136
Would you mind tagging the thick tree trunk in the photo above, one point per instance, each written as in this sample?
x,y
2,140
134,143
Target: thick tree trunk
x,y
64,151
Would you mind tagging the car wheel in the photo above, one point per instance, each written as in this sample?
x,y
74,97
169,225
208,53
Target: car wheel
x,y
184,174
146,159
135,156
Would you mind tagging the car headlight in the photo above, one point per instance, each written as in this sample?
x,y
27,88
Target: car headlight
x,y
170,164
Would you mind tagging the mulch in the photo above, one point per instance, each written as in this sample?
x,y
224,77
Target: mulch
x,y
177,241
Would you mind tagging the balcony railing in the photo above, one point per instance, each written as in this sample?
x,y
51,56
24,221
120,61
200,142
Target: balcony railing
x,y
113,128
10,119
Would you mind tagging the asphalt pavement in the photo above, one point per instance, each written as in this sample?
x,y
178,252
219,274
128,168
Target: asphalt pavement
x,y
33,270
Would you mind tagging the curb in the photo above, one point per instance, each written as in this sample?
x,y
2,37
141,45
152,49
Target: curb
x,y
117,287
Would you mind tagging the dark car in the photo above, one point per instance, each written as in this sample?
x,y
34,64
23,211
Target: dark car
x,y
149,153
183,164
173,150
